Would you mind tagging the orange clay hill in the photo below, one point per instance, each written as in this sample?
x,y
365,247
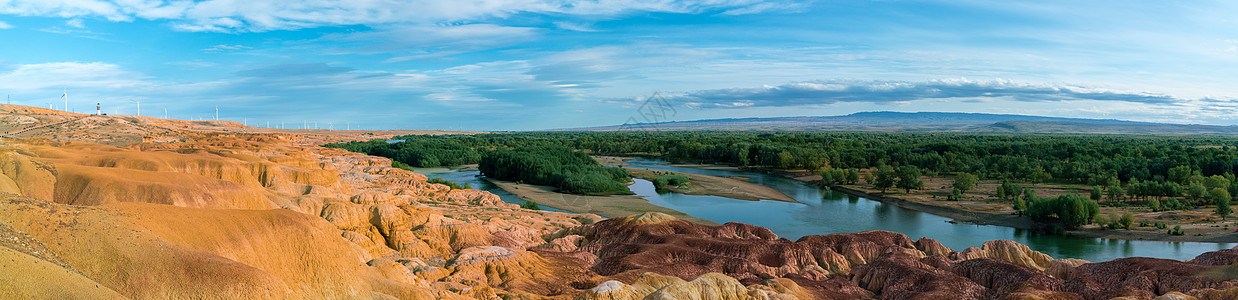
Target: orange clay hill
x,y
114,207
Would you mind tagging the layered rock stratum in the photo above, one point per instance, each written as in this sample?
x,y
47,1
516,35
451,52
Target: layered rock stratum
x,y
116,207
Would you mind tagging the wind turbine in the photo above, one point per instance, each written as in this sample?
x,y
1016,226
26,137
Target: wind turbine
x,y
139,106
216,113
66,99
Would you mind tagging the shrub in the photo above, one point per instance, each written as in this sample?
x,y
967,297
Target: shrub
x,y
667,181
442,181
399,165
1126,220
1103,221
1177,230
530,205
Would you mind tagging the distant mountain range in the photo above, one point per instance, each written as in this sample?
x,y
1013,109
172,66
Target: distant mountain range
x,y
885,121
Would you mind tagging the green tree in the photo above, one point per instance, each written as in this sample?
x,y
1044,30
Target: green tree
x,y
965,182
909,178
833,177
1179,174
884,179
1096,193
1221,198
1115,192
785,160
1038,175
1071,209
1020,206
1126,220
1113,182
530,205
1008,190
1196,190
853,176
1154,204
1216,181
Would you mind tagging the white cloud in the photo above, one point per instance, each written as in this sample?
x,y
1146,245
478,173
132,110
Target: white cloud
x,y
575,26
75,23
431,38
224,47
4,25
73,74
902,92
266,15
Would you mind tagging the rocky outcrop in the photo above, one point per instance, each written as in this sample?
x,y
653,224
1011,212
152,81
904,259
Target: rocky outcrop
x,y
1010,251
1222,257
1142,277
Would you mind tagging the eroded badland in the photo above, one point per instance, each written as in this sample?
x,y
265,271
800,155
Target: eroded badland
x,y
136,207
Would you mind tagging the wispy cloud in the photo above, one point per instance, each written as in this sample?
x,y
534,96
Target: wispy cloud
x,y
574,26
822,92
267,15
88,75
75,23
225,47
82,33
4,25
425,40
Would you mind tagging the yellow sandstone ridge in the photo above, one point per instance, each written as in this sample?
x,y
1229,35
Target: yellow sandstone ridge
x,y
649,218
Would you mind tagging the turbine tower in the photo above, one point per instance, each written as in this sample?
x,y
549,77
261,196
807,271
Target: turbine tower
x,y
66,99
139,106
216,113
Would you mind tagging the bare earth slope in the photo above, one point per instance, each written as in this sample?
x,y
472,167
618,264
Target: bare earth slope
x,y
132,207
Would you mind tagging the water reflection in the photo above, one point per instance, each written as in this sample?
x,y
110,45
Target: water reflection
x,y
824,212
473,179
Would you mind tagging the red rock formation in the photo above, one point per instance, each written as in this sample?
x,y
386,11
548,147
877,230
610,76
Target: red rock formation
x,y
1141,277
1222,257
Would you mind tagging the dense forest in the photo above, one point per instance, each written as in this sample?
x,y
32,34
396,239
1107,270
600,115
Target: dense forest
x,y
1157,171
1087,159
571,171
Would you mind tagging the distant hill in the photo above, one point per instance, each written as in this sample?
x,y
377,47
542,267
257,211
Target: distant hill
x,y
932,122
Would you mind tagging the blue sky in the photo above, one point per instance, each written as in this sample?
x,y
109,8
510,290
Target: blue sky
x,y
535,64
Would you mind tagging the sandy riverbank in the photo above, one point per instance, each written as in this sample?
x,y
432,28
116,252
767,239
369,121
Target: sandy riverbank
x,y
717,186
612,160
606,206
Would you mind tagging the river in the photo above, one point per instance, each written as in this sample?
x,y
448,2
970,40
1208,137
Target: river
x,y
824,212
473,178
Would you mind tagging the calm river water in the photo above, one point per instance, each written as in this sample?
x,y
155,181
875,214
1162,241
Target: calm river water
x,y
824,212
